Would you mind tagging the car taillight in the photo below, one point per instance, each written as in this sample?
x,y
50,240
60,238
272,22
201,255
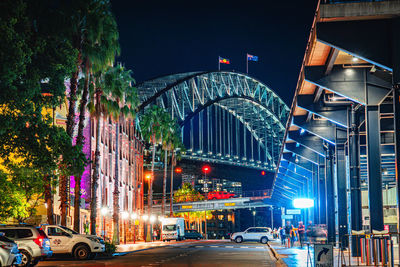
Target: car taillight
x,y
39,241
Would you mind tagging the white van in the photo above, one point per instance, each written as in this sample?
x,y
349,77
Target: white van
x,y
173,229
65,240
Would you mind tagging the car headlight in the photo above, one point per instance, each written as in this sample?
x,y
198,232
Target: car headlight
x,y
94,239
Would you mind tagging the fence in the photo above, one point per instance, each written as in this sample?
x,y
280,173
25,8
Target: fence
x,y
368,250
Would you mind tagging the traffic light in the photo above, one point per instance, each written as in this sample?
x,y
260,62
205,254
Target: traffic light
x,y
263,173
206,169
178,170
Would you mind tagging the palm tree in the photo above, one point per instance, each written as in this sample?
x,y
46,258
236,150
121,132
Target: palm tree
x,y
152,128
99,48
177,148
102,102
169,141
123,100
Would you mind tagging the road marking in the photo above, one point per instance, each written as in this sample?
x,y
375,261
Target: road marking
x,y
259,247
229,246
199,246
244,247
213,246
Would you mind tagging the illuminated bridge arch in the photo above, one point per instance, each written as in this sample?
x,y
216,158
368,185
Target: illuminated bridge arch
x,y
225,117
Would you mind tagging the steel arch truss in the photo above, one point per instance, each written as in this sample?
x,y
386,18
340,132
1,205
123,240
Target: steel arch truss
x,y
225,116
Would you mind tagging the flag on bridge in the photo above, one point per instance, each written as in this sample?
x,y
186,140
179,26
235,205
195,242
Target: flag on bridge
x,y
224,60
252,58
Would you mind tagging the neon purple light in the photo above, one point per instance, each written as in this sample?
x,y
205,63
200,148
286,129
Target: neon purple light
x,y
85,181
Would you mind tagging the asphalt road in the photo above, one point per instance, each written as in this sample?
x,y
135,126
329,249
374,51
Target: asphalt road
x,y
196,253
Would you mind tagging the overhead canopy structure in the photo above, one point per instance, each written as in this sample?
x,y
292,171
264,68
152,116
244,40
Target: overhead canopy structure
x,y
340,138
226,117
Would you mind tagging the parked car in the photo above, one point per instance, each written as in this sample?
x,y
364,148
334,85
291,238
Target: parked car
x,y
64,240
193,234
9,253
258,234
32,242
219,195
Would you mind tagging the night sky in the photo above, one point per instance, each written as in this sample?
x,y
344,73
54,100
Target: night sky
x,y
165,37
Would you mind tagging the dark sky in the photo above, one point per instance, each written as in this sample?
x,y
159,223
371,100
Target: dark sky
x,y
165,37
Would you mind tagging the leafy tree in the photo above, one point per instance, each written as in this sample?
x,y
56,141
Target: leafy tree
x,y
37,59
187,194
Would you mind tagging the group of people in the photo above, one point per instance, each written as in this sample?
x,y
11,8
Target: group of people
x,y
290,234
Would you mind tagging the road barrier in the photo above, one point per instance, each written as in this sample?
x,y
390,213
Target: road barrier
x,y
374,249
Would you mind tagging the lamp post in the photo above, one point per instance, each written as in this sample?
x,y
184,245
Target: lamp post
x,y
134,217
254,218
145,217
125,216
104,211
149,177
206,169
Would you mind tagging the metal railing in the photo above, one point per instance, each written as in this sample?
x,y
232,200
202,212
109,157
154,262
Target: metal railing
x,y
368,250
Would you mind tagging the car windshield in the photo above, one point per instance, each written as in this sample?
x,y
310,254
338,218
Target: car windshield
x,y
69,231
169,227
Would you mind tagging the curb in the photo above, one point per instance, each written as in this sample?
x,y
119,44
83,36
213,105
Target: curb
x,y
276,255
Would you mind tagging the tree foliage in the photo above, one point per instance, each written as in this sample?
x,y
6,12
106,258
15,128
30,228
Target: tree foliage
x,y
187,194
36,59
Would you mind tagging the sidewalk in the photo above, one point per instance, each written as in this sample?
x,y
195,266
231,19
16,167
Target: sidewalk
x,y
297,256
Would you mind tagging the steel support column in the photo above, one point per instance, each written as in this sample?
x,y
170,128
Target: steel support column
x,y
316,217
374,168
330,196
341,194
322,192
396,108
355,181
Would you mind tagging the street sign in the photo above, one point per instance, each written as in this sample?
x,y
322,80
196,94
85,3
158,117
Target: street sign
x,y
287,217
293,211
323,255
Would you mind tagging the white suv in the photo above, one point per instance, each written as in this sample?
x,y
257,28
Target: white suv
x,y
65,240
259,234
32,242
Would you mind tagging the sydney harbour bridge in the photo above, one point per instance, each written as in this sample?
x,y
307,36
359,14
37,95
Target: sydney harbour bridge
x,y
225,117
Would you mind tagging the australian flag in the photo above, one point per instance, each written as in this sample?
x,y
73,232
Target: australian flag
x,y
252,58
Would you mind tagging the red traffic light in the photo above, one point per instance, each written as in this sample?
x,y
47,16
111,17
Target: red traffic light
x,y
178,170
206,169
262,172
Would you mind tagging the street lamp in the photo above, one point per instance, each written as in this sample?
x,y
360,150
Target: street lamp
x,y
254,218
103,212
145,217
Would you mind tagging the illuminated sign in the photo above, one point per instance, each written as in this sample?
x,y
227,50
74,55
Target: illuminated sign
x,y
230,204
187,207
293,211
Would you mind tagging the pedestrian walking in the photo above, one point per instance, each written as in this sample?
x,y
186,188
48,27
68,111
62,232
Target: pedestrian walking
x,y
282,236
302,231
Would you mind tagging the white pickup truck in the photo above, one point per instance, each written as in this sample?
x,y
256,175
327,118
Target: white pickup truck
x,y
64,240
